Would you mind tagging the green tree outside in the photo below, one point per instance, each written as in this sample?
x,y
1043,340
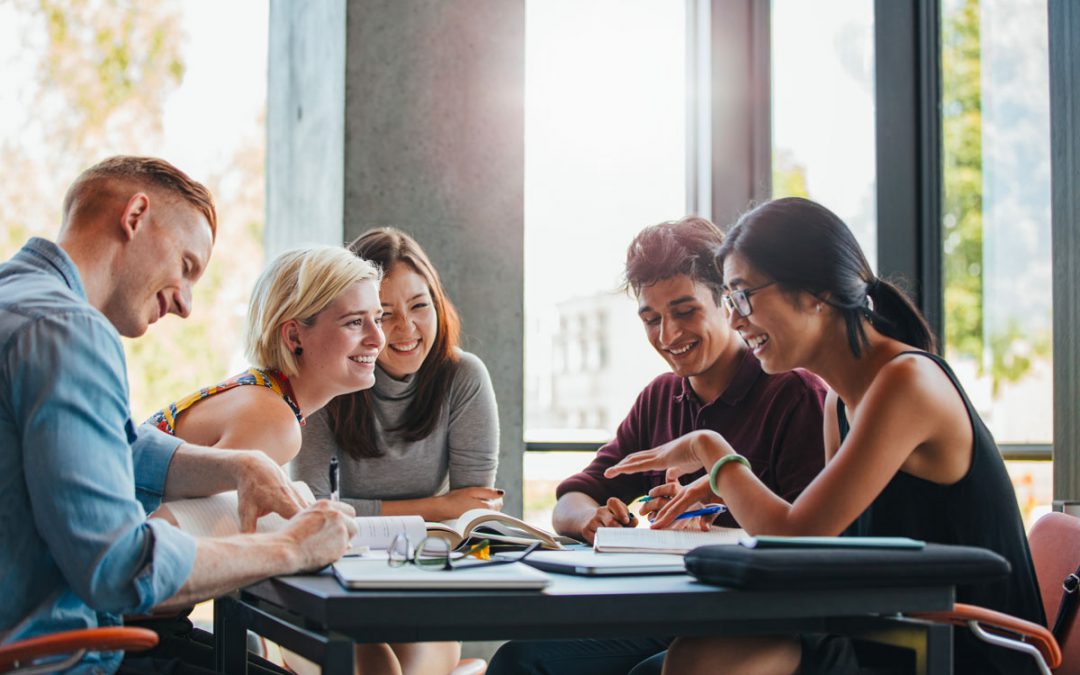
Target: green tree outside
x,y
1008,355
103,72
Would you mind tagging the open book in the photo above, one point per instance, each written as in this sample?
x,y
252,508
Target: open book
x,y
217,516
496,526
644,540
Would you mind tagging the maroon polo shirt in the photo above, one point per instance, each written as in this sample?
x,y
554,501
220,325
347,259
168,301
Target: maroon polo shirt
x,y
775,421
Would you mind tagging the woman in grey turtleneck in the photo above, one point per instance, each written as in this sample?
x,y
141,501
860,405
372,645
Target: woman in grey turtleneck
x,y
425,439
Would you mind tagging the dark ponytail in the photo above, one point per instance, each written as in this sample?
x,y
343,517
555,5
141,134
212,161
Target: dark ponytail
x,y
896,316
804,246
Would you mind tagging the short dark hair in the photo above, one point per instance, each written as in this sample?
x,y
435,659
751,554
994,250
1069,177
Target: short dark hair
x,y
687,246
148,172
803,246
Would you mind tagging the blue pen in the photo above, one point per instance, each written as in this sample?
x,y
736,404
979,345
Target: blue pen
x,y
649,498
707,511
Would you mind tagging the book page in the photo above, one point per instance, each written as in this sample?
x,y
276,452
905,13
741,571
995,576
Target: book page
x,y
213,516
631,539
504,524
378,532
218,515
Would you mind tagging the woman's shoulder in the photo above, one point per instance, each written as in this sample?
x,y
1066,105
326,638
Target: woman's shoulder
x,y
922,380
468,368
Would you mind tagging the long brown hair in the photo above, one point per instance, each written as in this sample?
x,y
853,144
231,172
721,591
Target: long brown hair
x,y
352,417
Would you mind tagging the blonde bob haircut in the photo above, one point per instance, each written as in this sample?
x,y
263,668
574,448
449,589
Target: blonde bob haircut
x,y
297,285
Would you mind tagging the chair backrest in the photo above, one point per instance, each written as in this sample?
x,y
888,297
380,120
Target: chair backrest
x,y
1055,549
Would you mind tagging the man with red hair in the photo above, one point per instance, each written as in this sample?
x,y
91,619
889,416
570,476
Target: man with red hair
x,y
77,478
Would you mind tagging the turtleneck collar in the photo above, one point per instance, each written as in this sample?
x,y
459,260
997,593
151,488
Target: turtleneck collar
x,y
387,387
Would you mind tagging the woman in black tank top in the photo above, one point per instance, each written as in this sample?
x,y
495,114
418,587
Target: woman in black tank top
x,y
906,452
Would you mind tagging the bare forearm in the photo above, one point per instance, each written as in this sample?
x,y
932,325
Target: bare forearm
x,y
757,508
428,508
198,471
572,511
223,564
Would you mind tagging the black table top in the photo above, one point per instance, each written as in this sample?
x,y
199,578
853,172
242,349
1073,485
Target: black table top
x,y
577,607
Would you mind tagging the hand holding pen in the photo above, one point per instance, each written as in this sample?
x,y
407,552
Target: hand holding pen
x,y
676,505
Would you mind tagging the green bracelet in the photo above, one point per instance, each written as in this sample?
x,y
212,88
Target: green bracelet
x,y
720,464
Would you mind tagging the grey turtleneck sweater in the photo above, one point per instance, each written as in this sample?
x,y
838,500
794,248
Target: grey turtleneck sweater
x,y
462,450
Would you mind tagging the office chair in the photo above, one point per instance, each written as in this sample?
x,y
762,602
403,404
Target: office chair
x,y
1055,550
18,657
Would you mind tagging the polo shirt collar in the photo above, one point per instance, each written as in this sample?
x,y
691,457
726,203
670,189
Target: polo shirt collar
x,y
44,254
747,374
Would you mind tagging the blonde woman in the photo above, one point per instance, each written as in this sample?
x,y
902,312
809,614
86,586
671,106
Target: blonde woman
x,y
313,332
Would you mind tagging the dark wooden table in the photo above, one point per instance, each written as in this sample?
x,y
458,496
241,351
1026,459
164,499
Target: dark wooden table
x,y
317,618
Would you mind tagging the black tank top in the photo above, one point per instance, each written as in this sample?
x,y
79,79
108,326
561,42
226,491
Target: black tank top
x,y
980,510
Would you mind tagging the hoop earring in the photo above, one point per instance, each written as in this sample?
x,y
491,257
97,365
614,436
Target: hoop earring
x,y
298,351
819,308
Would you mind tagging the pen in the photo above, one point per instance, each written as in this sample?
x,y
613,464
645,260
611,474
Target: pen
x,y
710,510
334,478
649,498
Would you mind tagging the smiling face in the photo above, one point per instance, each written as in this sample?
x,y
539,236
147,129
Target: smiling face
x,y
343,342
783,331
167,253
685,325
409,319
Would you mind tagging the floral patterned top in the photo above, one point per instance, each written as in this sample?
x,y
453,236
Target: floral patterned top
x,y
165,419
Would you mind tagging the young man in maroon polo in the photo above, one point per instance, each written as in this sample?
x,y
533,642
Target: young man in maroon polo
x,y
715,383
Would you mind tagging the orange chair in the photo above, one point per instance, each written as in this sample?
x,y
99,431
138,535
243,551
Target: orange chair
x,y
18,657
1055,549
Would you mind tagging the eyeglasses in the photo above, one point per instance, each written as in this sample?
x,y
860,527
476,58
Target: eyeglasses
x,y
435,554
739,301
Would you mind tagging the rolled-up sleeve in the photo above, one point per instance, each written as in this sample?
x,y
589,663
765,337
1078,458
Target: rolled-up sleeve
x,y
152,452
69,395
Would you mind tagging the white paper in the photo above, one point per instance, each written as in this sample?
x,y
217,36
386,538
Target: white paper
x,y
378,532
218,515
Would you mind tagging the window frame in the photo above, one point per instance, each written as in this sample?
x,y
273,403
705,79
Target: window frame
x,y
907,67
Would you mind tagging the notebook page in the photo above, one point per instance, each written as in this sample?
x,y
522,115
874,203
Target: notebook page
x,y
377,532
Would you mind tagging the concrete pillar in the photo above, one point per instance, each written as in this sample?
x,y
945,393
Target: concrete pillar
x,y
305,124
412,116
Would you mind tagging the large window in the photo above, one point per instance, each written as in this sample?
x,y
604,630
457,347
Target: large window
x,y
997,211
605,156
823,109
996,223
82,83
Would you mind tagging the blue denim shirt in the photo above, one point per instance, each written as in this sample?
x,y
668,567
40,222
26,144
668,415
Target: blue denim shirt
x,y
76,477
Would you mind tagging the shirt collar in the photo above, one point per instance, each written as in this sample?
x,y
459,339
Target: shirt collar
x,y
747,374
48,256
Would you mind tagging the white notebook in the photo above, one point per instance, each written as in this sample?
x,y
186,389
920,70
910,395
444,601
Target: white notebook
x,y
358,573
643,540
217,516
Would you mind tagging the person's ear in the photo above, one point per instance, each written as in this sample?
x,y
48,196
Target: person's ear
x,y
290,335
815,302
134,216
